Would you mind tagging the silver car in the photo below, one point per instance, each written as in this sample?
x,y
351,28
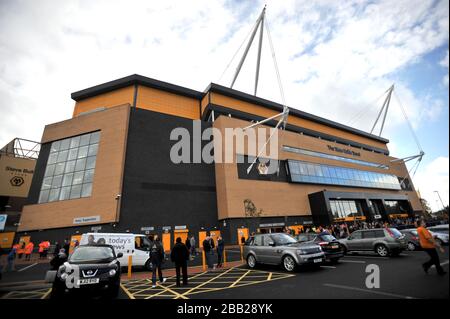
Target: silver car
x,y
440,233
280,248
383,241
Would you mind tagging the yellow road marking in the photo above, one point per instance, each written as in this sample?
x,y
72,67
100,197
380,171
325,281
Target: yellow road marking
x,y
208,281
127,292
159,293
270,276
240,278
47,294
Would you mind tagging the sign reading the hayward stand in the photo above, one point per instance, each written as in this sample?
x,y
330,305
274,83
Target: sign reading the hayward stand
x,y
180,227
85,220
149,228
271,225
3,221
343,150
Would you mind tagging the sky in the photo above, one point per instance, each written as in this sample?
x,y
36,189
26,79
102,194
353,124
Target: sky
x,y
335,58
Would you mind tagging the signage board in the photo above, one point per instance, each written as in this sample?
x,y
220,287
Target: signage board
x,y
15,175
85,220
3,221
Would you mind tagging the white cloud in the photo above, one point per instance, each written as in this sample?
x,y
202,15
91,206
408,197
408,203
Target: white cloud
x,y
335,57
434,177
444,64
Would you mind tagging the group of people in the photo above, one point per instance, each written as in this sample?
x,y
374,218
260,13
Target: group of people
x,y
180,255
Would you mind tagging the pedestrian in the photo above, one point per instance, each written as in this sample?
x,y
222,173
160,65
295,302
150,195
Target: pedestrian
x,y
41,249
156,258
66,246
220,249
187,243
242,240
57,249
59,259
10,259
428,245
46,248
180,256
193,244
208,250
21,250
29,250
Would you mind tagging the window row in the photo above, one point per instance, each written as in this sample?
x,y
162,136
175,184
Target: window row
x,y
70,166
344,208
66,192
333,157
303,172
75,142
73,154
68,179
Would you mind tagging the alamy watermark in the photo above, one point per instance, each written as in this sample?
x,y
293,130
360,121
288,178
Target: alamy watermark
x,y
222,147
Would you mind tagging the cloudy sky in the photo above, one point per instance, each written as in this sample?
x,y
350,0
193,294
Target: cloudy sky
x,y
336,59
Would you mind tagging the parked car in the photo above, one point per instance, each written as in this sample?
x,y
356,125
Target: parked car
x,y
98,270
280,248
439,229
383,241
332,248
440,237
412,238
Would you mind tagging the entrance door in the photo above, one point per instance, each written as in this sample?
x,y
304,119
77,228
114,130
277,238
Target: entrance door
x,y
166,241
242,232
201,238
182,233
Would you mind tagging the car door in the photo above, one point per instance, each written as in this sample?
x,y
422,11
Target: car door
x,y
256,247
368,237
266,249
354,242
274,252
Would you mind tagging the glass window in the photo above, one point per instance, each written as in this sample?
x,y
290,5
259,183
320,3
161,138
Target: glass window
x,y
75,142
72,154
84,140
70,168
59,169
82,151
86,190
65,193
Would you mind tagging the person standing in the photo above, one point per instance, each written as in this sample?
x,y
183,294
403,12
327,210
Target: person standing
x,y
193,243
156,258
66,246
208,250
188,244
180,256
220,249
29,250
21,249
41,249
57,249
428,245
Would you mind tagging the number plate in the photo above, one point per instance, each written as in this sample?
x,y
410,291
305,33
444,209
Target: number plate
x,y
335,246
318,260
89,281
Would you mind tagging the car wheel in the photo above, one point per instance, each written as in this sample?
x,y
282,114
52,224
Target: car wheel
x,y
381,250
411,246
251,261
289,263
344,250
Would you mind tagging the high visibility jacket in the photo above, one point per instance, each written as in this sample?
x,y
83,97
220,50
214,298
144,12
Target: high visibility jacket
x,y
41,247
29,248
20,250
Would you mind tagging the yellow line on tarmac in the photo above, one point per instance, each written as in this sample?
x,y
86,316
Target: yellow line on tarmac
x,y
208,281
270,276
240,278
172,291
159,293
47,294
127,292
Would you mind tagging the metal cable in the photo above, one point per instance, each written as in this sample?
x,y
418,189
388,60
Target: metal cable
x,y
408,121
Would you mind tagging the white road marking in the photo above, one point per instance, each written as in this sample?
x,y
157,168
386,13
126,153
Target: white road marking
x,y
372,257
27,267
353,261
376,292
330,267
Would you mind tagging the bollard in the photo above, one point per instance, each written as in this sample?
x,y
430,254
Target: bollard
x,y
224,257
203,260
130,263
242,253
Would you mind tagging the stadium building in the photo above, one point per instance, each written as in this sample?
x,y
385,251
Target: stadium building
x,y
108,168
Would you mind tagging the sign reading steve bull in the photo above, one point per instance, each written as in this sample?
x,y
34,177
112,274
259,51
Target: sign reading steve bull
x,y
15,176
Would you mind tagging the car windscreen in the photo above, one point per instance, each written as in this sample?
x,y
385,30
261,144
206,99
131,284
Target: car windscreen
x,y
395,232
283,239
439,230
91,253
302,238
327,238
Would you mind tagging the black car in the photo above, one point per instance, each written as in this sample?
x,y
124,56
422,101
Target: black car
x,y
90,268
330,245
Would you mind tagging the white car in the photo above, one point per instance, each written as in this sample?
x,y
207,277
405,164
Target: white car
x,y
440,236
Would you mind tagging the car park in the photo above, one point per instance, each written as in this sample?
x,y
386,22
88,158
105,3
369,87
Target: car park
x,y
90,268
439,236
383,241
281,249
331,247
412,238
